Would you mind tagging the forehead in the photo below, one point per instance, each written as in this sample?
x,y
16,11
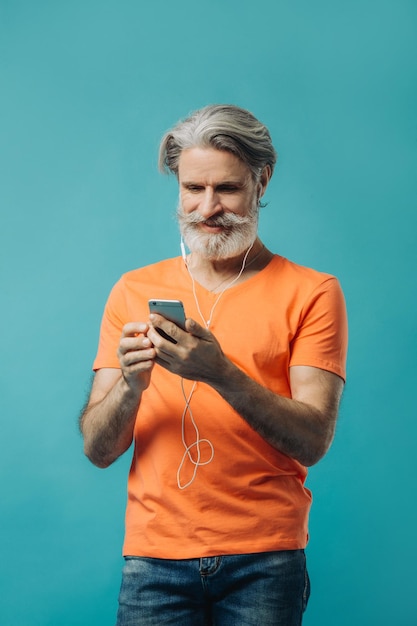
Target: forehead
x,y
210,165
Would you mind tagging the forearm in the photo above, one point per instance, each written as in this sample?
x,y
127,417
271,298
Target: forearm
x,y
107,425
295,428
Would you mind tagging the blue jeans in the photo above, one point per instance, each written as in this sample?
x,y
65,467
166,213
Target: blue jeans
x,y
270,588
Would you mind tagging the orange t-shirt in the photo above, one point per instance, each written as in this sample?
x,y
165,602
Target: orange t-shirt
x,y
250,497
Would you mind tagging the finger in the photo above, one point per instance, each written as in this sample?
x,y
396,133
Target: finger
x,y
129,344
196,329
132,329
140,357
165,328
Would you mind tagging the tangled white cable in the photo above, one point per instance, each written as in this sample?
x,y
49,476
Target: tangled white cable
x,y
196,444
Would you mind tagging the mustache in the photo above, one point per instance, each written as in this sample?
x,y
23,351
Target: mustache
x,y
225,220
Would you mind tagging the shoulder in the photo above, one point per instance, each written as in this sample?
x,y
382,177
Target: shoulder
x,y
151,272
141,280
295,277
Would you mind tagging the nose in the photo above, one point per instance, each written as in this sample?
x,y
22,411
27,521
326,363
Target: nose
x,y
210,203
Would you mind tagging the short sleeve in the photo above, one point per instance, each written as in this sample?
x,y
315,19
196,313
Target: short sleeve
x,y
114,318
321,338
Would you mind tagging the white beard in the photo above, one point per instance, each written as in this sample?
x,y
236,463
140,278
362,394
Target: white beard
x,y
239,234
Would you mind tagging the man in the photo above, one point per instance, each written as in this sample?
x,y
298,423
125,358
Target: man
x,y
227,414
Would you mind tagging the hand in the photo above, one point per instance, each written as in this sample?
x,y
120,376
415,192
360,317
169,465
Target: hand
x,y
136,355
196,353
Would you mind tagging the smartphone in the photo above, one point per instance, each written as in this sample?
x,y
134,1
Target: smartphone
x,y
173,310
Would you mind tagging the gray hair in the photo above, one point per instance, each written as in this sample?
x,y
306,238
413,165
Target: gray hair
x,y
223,127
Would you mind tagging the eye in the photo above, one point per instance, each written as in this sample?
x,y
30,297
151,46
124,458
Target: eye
x,y
194,188
227,189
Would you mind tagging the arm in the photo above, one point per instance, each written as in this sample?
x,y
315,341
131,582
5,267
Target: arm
x,y
301,426
108,419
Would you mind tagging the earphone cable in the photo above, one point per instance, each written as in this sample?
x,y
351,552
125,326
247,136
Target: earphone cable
x,y
187,408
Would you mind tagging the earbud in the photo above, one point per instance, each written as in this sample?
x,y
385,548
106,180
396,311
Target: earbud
x,y
183,252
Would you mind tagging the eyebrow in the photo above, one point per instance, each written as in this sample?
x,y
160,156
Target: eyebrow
x,y
225,183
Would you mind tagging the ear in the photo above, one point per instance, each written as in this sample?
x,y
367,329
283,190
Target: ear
x,y
264,180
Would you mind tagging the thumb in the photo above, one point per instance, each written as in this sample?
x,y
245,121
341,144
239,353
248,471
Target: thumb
x,y
196,329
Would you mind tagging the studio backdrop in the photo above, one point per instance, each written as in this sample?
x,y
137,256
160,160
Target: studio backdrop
x,y
88,88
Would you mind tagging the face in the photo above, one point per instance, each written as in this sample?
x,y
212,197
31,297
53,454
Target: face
x,y
218,209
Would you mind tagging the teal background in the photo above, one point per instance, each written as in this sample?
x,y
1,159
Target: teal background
x,y
87,89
